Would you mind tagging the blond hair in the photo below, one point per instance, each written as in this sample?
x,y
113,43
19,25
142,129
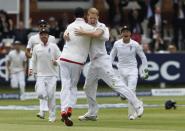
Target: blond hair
x,y
93,11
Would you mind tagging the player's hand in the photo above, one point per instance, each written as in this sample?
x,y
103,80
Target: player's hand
x,y
79,31
30,72
145,74
54,62
66,36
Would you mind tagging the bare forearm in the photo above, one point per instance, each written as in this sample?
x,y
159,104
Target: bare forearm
x,y
28,53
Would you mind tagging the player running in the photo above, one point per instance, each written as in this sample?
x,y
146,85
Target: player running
x,y
34,40
126,50
16,65
44,65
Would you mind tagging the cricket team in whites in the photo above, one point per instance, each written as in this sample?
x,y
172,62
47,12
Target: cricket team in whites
x,y
81,40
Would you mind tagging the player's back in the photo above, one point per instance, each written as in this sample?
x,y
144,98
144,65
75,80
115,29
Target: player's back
x,y
77,48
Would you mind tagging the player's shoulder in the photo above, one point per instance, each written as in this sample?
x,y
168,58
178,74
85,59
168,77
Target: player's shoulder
x,y
133,42
101,24
22,53
34,36
54,45
12,52
36,46
118,42
52,37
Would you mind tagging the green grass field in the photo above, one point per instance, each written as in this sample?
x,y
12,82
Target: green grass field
x,y
114,119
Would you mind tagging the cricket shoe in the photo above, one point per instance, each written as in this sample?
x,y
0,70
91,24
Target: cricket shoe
x,y
140,109
41,115
132,116
67,120
52,120
69,113
88,117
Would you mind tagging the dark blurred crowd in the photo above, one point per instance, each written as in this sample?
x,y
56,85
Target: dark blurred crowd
x,y
157,30
146,18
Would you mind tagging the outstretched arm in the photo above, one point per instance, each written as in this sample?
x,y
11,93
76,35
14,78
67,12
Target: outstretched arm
x,y
95,34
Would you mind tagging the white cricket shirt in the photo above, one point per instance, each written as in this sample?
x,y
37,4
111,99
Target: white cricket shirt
x,y
97,48
77,48
16,60
126,53
35,39
42,59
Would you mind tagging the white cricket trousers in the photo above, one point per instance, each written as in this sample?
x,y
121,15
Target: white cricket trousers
x,y
18,80
70,74
130,78
101,68
45,89
43,104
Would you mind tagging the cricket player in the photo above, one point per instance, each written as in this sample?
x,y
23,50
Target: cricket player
x,y
16,65
126,50
101,68
72,59
34,40
44,65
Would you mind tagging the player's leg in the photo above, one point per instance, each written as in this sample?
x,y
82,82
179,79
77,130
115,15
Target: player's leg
x,y
66,85
90,88
51,89
42,94
124,77
70,76
14,80
132,83
43,106
115,82
75,73
21,78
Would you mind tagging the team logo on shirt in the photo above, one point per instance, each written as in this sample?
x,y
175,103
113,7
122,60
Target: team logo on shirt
x,y
130,48
49,50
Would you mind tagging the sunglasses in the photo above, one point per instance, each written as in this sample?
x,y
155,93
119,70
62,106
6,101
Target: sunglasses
x,y
43,26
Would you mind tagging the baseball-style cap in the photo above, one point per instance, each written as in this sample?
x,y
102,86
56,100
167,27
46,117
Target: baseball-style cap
x,y
42,22
44,31
17,42
125,27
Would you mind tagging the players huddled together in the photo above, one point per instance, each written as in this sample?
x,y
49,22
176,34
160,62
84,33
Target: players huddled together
x,y
82,39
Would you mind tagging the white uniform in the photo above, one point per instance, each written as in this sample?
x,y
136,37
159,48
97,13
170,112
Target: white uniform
x,y
74,55
101,68
35,40
17,69
46,73
127,65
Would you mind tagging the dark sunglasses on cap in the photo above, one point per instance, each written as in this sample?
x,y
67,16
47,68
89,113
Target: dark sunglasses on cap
x,y
42,25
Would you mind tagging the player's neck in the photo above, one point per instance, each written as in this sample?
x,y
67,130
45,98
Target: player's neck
x,y
17,50
126,41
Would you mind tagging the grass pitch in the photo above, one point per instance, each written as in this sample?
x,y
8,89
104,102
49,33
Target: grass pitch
x,y
114,119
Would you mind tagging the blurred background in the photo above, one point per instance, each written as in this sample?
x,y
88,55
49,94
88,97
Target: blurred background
x,y
158,25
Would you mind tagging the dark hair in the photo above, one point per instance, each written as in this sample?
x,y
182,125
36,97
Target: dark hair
x,y
79,12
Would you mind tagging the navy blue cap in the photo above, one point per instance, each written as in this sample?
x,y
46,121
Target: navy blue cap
x,y
42,22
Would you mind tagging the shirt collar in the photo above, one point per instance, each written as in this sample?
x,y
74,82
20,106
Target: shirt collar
x,y
79,19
